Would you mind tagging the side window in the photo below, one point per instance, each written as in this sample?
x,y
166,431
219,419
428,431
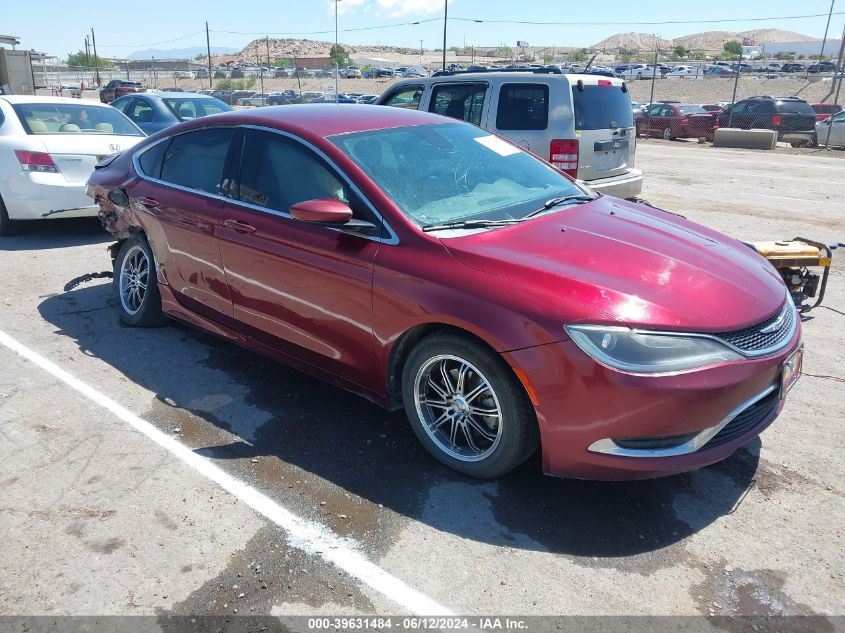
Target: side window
x,y
277,173
121,104
839,118
523,107
140,111
739,108
406,98
150,160
196,159
459,101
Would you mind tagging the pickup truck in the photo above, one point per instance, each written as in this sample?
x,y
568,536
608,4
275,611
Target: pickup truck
x,y
117,88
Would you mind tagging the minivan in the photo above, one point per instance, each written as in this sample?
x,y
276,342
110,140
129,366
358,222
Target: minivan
x,y
581,124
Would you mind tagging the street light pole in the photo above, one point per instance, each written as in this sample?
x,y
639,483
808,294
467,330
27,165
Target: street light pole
x,y
336,55
421,51
445,22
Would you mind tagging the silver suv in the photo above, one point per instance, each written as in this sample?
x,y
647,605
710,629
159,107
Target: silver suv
x,y
581,124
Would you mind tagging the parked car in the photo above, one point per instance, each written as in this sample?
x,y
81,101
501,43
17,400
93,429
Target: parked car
x,y
117,88
285,97
821,67
282,72
236,73
773,67
835,127
352,72
583,124
685,72
226,96
426,263
184,74
635,71
825,110
254,99
154,112
791,67
792,118
671,121
714,108
48,149
742,68
719,71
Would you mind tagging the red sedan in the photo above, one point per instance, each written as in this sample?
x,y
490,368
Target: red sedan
x,y
425,263
681,120
825,110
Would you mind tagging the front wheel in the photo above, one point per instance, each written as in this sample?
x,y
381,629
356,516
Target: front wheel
x,y
135,286
467,408
667,134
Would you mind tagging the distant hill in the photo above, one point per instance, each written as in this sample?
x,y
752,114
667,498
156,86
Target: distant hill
x,y
181,53
707,41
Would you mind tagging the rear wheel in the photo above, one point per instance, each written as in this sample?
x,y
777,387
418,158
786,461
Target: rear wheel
x,y
7,226
667,134
135,286
467,408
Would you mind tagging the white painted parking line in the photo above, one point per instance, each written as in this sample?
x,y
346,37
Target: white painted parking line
x,y
311,537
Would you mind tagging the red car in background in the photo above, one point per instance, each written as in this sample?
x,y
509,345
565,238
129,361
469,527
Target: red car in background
x,y
118,88
825,110
681,120
425,263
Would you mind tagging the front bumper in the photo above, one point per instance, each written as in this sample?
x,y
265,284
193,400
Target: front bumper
x,y
34,196
581,403
628,185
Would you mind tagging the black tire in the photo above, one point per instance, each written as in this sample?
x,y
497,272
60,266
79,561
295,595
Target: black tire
x,y
137,309
668,135
516,433
8,227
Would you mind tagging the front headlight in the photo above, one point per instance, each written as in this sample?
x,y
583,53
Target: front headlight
x,y
640,352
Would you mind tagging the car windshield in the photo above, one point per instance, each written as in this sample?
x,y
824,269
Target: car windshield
x,y
454,172
601,107
691,109
186,108
62,118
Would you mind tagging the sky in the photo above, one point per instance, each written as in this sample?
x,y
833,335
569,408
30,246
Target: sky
x,y
167,25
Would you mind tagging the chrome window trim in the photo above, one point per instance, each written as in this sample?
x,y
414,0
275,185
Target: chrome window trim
x,y
608,447
392,238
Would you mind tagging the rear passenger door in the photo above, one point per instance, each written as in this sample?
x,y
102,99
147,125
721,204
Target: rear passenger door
x,y
522,116
466,101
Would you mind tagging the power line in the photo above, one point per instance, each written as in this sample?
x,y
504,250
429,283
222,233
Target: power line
x,y
652,23
363,28
175,39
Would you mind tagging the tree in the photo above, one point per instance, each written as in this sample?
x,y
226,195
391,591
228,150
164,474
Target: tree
x,y
339,56
680,51
504,51
80,59
283,62
733,47
578,56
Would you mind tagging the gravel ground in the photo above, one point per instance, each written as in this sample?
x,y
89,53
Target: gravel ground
x,y
100,520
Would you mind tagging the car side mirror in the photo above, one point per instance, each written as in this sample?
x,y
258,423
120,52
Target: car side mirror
x,y
333,213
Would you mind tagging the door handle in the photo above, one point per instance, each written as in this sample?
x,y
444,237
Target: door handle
x,y
239,226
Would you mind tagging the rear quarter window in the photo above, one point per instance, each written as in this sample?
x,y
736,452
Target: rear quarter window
x,y
795,107
601,107
523,107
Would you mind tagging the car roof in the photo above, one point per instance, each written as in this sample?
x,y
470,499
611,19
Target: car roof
x,y
326,119
16,99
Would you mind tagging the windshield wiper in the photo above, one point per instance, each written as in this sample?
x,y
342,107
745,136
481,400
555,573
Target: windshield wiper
x,y
550,204
468,224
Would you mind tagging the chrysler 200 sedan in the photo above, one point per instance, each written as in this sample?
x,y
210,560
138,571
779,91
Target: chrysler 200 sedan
x,y
425,263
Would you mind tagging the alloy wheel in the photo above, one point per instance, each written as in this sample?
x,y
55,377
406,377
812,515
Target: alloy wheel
x,y
458,408
134,277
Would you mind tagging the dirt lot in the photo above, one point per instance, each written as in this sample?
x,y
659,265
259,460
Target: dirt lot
x,y
103,515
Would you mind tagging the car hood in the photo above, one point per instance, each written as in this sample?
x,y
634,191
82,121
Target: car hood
x,y
638,265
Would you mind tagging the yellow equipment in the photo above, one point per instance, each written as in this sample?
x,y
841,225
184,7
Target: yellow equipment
x,y
793,259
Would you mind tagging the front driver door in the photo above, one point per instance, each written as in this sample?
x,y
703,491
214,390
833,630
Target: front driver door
x,y
298,287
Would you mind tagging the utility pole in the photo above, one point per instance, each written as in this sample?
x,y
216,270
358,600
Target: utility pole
x,y
841,73
736,85
208,53
336,56
653,79
96,62
421,51
87,54
445,22
824,40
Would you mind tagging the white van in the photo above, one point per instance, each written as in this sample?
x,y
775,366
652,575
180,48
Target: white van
x,y
581,124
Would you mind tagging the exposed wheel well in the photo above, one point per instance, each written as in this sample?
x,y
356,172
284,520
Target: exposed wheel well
x,y
405,343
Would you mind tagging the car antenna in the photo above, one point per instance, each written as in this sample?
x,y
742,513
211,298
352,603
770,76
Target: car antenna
x,y
590,63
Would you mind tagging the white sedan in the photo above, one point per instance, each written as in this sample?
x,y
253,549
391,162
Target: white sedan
x,y
835,126
256,99
48,149
685,72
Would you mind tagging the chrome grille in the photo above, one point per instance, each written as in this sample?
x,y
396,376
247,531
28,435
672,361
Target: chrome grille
x,y
752,341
